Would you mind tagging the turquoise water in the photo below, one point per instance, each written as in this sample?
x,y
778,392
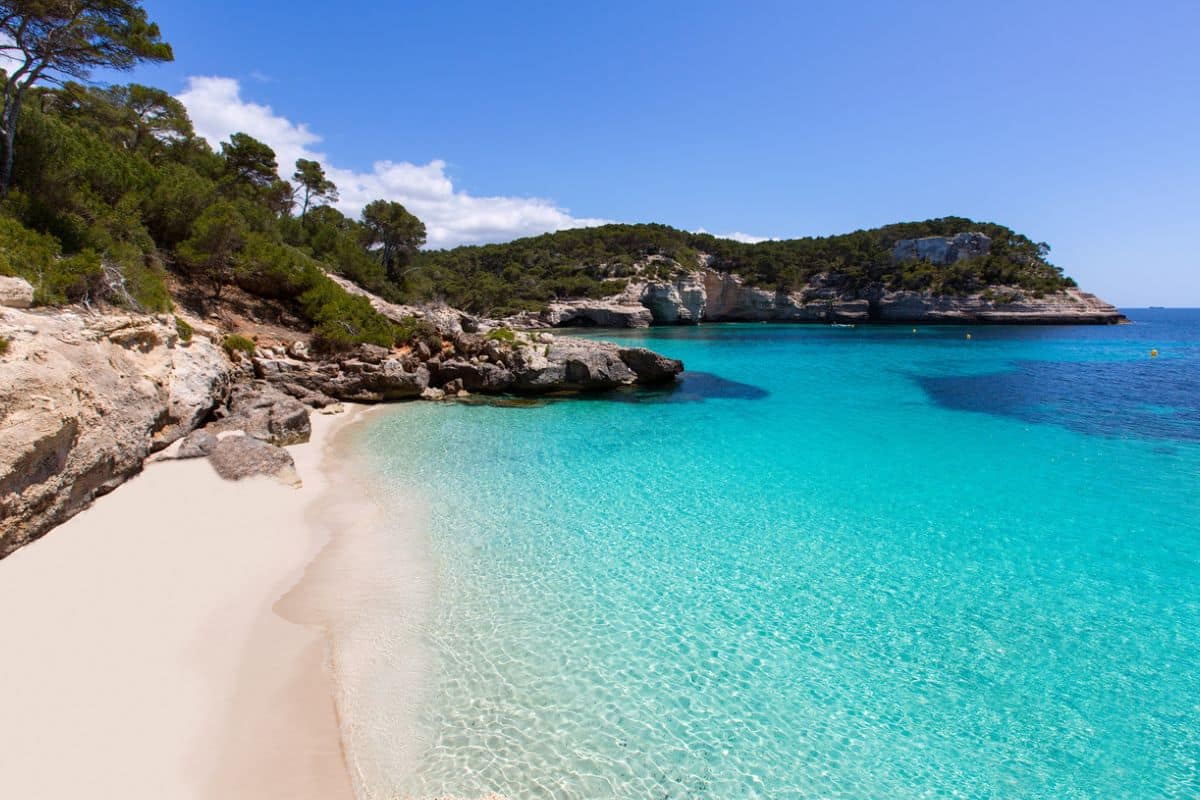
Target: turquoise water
x,y
857,563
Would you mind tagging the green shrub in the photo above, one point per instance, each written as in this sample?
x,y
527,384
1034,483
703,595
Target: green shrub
x,y
70,279
505,335
178,199
132,279
349,259
3,345
141,279
184,329
235,345
273,270
342,320
36,258
411,330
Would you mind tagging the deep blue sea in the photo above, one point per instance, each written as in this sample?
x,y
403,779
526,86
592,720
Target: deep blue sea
x,y
874,562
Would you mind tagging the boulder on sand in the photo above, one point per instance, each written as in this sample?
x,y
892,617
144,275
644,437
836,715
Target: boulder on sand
x,y
239,456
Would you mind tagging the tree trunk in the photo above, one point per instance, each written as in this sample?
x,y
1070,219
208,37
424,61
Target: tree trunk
x,y
9,123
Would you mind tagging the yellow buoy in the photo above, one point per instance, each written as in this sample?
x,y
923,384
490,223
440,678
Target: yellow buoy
x,y
1154,354
968,336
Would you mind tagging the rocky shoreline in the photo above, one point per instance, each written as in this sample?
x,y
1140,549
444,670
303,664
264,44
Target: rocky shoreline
x,y
87,397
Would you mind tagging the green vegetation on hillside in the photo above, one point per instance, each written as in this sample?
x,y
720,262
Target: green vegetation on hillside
x,y
595,262
100,209
111,189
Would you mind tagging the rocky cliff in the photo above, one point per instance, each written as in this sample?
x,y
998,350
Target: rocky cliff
x,y
690,296
83,400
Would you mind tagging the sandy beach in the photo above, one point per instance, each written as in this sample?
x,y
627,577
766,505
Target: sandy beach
x,y
146,653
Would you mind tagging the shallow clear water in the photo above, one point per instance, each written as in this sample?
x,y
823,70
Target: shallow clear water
x,y
859,563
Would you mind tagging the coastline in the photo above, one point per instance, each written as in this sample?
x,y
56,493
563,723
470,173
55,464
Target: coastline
x,y
150,654
369,589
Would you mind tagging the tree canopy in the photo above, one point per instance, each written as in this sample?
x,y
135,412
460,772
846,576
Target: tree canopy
x,y
52,40
249,161
313,183
112,190
596,262
397,233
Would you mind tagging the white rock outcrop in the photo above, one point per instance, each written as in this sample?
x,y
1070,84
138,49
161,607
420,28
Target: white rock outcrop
x,y
83,400
942,250
15,292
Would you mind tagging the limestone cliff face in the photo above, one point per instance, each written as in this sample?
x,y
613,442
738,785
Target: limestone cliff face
x,y
1071,307
727,298
684,300
704,295
710,296
83,400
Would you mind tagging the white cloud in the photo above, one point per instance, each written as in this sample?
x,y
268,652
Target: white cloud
x,y
737,236
745,238
451,216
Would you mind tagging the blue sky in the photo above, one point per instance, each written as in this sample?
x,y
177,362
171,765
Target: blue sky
x,y
1076,123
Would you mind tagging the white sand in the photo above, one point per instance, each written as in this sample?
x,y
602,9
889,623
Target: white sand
x,y
141,655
